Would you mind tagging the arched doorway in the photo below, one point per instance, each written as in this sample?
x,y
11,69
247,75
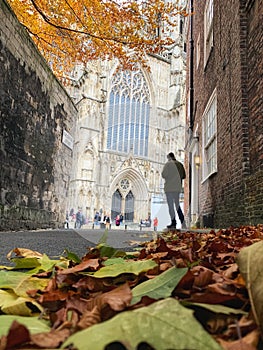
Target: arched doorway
x,y
116,204
129,207
130,189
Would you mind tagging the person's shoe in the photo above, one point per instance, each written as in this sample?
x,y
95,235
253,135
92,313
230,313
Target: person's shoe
x,y
172,225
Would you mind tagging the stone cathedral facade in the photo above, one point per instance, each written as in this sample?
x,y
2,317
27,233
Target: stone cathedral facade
x,y
127,123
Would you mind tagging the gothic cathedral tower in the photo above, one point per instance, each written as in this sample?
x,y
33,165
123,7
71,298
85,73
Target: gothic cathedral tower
x,y
127,123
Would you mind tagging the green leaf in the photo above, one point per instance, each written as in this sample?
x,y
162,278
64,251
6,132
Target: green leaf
x,y
20,282
250,261
10,279
25,263
30,283
164,325
134,267
11,304
216,308
103,239
107,251
46,264
72,256
43,263
113,261
33,324
159,287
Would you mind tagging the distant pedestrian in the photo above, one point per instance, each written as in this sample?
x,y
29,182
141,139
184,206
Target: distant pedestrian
x,y
121,218
155,223
67,220
97,218
79,219
173,174
106,221
149,221
117,220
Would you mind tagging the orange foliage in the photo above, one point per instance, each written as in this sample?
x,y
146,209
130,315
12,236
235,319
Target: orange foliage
x,y
71,31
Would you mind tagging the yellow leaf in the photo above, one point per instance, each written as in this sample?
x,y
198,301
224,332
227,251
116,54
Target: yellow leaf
x,y
24,253
11,304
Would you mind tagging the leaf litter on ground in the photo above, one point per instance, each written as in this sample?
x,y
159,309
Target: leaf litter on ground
x,y
183,290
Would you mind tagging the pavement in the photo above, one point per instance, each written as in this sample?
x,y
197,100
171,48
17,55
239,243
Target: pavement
x,y
54,242
120,238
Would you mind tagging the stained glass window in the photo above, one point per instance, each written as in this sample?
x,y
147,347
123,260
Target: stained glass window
x,y
129,114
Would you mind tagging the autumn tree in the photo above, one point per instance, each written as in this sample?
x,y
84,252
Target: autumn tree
x,y
70,31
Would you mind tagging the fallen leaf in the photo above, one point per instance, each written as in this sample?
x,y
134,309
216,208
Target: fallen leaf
x,y
163,325
24,252
11,304
133,267
159,287
250,261
33,324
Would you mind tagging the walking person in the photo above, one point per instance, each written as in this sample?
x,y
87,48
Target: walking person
x,y
79,219
67,220
173,174
107,221
121,218
155,223
117,220
97,218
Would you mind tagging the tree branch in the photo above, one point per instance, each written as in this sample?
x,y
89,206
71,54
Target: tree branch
x,y
47,20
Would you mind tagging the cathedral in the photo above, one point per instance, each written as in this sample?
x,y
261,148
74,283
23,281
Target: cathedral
x,y
128,121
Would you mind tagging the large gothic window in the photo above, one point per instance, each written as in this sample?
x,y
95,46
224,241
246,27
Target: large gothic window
x,y
129,113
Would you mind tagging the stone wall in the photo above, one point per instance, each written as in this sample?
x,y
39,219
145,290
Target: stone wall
x,y
34,112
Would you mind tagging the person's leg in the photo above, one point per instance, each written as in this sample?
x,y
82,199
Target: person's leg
x,y
170,196
180,214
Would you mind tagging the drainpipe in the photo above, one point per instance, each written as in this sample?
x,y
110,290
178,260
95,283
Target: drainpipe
x,y
191,69
191,103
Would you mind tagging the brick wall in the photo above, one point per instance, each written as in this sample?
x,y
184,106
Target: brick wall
x,y
228,188
254,181
233,195
34,111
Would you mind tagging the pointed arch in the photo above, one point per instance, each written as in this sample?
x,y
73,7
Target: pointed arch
x,y
134,197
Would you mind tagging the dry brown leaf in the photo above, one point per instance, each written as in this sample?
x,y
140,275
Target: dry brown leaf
x,y
118,299
90,265
17,335
249,342
50,340
89,318
24,253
